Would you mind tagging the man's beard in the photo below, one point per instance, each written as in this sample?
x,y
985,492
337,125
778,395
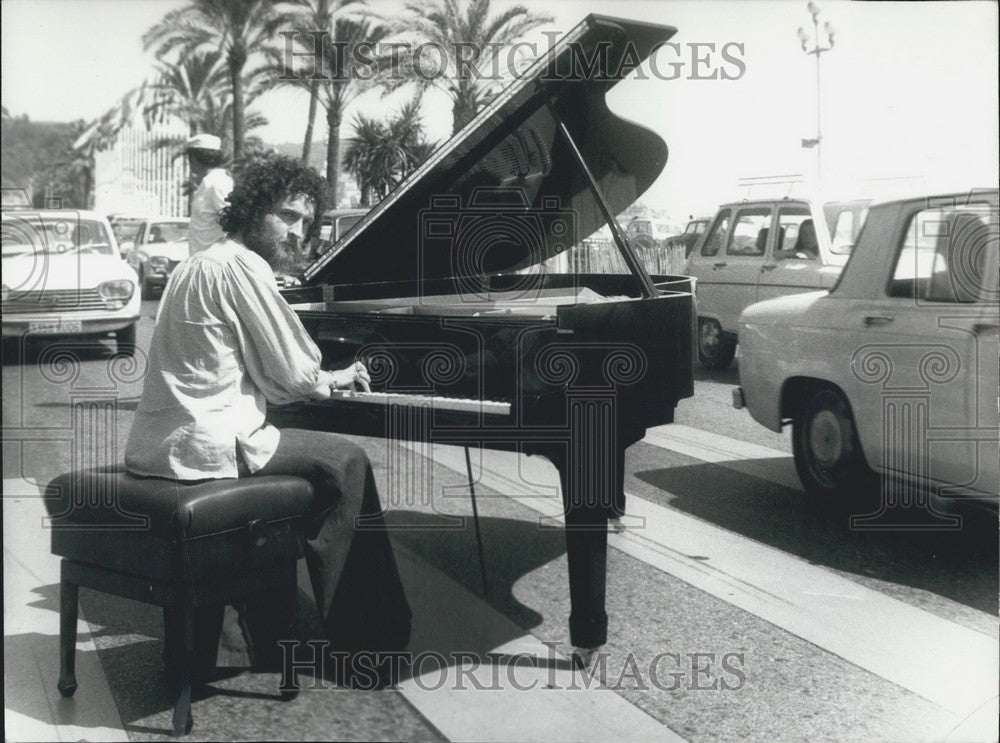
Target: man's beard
x,y
279,257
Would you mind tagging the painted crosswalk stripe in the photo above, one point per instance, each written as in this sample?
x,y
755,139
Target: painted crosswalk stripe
x,y
939,660
92,715
762,462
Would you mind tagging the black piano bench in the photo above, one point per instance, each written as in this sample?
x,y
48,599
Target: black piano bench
x,y
178,545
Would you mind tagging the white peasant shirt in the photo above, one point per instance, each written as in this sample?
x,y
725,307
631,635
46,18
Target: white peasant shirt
x,y
225,343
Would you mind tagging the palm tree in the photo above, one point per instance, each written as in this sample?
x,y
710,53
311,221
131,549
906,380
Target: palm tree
x,y
71,173
383,155
193,89
304,17
196,89
444,25
344,76
233,27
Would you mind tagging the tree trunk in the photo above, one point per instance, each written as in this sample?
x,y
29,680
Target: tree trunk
x,y
462,114
88,185
307,144
464,109
333,149
237,58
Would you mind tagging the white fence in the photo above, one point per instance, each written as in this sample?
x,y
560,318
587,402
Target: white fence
x,y
596,255
134,177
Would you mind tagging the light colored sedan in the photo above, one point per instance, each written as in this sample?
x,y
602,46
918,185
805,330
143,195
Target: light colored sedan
x,y
63,275
892,374
155,247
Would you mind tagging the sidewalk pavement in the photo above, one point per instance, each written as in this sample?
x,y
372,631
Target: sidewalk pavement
x,y
934,658
446,616
33,708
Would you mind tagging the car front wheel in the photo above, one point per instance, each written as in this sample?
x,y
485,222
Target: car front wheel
x,y
715,350
828,455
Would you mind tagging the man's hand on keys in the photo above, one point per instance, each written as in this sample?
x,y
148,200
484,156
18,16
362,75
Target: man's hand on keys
x,y
354,375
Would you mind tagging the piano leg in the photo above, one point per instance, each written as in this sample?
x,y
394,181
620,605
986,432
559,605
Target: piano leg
x,y
587,557
591,470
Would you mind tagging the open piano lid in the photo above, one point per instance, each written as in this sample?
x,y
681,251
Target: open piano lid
x,y
507,191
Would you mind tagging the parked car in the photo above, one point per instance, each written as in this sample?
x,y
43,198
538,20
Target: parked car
x,y
63,275
756,250
125,227
15,198
334,224
154,250
895,369
644,232
695,228
845,220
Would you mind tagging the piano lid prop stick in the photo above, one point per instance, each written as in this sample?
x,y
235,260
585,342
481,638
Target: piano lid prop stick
x,y
646,285
475,517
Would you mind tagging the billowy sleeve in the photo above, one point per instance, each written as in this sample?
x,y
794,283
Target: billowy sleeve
x,y
280,357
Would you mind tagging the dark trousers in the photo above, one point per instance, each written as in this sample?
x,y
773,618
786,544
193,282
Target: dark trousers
x,y
353,572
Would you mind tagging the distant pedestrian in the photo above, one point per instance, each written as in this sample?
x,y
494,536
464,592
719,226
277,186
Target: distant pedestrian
x,y
205,158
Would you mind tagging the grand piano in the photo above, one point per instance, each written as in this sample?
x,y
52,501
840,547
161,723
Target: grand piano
x,y
450,291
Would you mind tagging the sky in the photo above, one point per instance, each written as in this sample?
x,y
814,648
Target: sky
x,y
909,90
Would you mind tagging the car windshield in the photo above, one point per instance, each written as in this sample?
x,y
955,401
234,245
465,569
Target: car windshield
x,y
54,235
15,197
125,231
845,220
166,232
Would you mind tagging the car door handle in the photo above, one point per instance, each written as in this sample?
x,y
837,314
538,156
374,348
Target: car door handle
x,y
719,264
769,267
982,327
872,321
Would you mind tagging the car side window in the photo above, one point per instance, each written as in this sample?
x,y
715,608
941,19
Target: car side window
x,y
792,241
713,243
944,254
750,232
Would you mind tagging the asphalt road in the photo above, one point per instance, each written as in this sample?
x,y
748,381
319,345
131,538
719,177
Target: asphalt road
x,y
812,648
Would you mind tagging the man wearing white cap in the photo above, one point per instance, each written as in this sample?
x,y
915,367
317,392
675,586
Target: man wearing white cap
x,y
205,158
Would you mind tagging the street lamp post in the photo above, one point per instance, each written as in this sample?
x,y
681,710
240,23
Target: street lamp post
x,y
817,49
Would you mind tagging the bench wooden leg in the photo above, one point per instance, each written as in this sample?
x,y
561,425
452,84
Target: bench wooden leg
x,y
68,602
183,720
289,686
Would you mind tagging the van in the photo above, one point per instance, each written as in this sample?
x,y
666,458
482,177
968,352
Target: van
x,y
644,232
760,249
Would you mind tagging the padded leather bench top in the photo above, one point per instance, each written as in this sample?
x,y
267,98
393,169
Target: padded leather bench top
x,y
174,509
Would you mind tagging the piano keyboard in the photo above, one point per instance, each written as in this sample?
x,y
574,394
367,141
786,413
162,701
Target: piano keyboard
x,y
460,404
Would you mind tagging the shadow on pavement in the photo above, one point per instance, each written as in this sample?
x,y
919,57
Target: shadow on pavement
x,y
129,635
958,564
722,376
511,548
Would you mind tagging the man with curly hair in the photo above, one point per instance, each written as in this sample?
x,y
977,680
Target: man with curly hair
x,y
225,344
